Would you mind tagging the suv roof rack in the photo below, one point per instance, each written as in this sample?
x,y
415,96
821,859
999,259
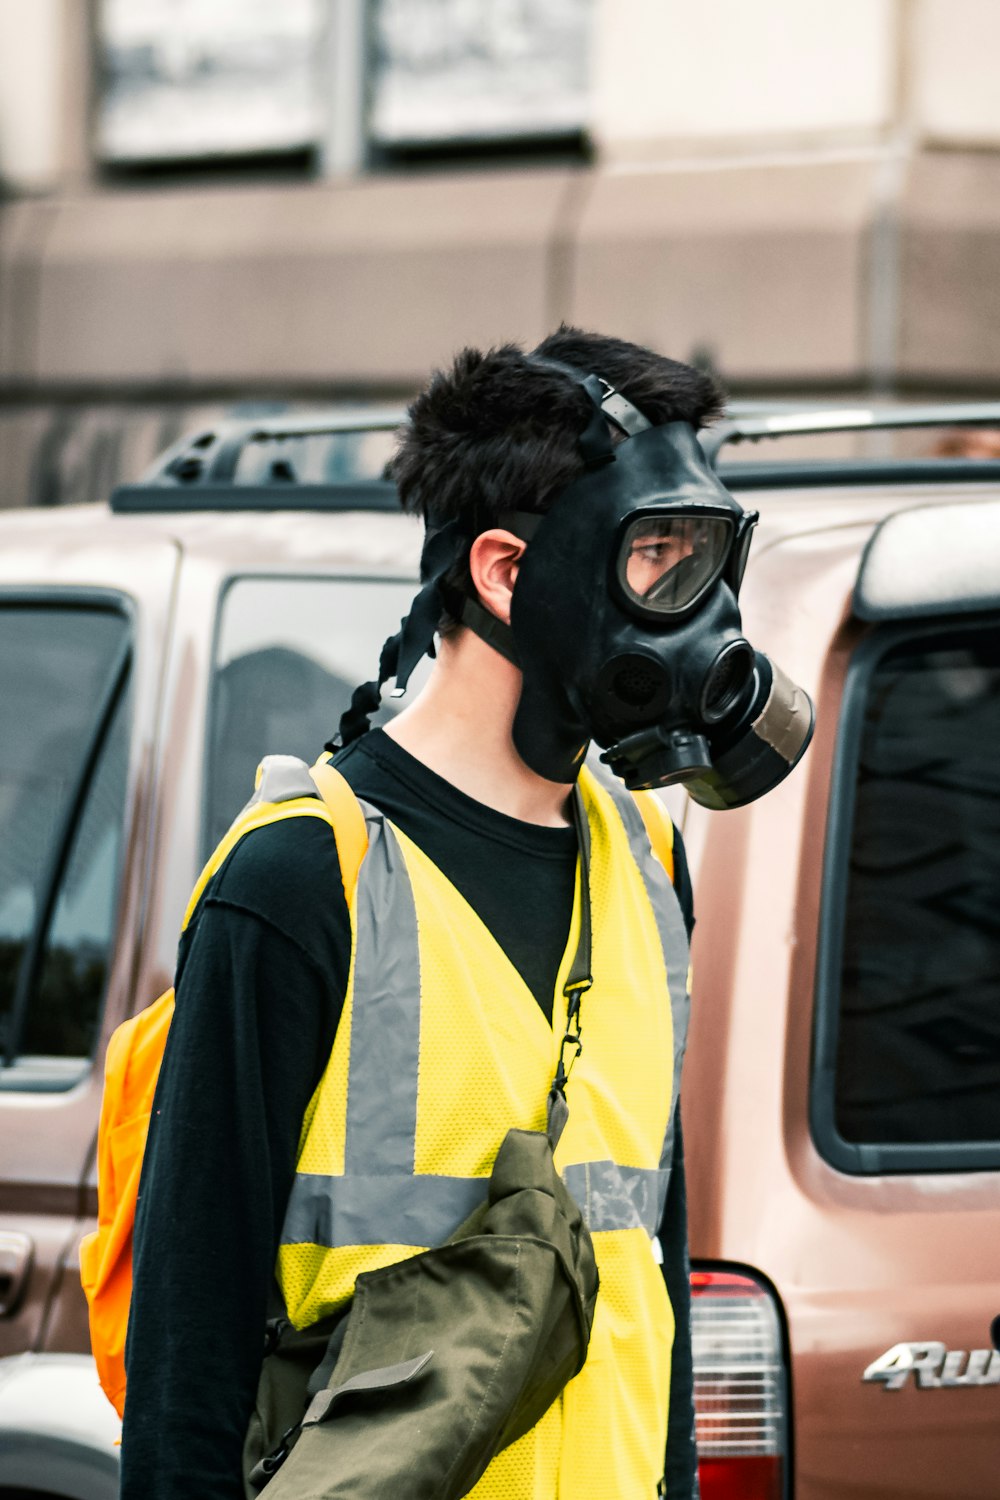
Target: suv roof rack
x,y
805,421
821,419
200,471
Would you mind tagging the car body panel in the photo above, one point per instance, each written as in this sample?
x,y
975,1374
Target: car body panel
x,y
858,1263
57,1428
47,1137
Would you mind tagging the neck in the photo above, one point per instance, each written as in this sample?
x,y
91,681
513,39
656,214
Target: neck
x,y
460,728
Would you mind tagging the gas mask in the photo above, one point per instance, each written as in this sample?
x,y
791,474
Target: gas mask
x,y
625,623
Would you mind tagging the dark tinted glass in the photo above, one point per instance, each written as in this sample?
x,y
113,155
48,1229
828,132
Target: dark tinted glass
x,y
919,1041
290,653
56,666
66,1006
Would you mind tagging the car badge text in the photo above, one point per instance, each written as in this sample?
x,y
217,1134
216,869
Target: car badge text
x,y
933,1367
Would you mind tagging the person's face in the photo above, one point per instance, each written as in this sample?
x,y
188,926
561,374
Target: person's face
x,y
656,550
982,444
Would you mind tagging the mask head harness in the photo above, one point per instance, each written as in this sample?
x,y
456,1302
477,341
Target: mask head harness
x,y
624,620
447,546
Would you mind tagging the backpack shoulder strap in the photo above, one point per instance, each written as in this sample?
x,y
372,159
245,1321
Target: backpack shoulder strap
x,y
659,827
287,788
347,820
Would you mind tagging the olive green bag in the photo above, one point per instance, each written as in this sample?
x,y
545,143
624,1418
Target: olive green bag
x,y
445,1358
442,1359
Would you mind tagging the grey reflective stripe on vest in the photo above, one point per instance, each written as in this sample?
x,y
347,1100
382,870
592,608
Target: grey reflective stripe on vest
x,y
392,1205
381,1124
422,1211
378,1209
614,1197
673,941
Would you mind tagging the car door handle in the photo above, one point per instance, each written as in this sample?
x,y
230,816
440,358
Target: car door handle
x,y
17,1251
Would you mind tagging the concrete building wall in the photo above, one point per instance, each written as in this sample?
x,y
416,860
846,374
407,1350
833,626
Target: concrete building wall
x,y
956,71
671,76
31,51
805,190
365,283
762,266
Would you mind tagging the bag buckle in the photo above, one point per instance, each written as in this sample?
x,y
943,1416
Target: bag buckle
x,y
574,992
265,1468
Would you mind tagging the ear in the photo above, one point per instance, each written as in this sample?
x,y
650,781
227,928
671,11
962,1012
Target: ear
x,y
493,564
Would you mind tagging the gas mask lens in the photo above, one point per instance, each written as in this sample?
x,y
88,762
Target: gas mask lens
x,y
666,562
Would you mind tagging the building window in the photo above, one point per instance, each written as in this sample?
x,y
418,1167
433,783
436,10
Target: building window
x,y
447,72
190,80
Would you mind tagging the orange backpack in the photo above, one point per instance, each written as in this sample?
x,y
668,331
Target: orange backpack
x,y
135,1051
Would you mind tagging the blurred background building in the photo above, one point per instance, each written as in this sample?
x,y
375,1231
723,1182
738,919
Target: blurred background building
x,y
208,202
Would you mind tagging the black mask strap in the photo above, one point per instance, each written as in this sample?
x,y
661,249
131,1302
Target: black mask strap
x,y
356,720
415,637
609,405
443,549
488,628
596,447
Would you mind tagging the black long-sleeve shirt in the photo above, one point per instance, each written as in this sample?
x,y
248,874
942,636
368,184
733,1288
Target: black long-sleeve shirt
x,y
261,979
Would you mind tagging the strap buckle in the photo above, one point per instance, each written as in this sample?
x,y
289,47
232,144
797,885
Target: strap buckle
x,y
266,1467
574,991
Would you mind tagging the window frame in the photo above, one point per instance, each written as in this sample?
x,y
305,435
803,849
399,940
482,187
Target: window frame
x,y
862,1158
64,1074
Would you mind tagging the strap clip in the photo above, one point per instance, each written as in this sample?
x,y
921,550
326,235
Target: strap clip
x,y
268,1466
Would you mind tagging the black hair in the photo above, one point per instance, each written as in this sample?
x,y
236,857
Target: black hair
x,y
500,430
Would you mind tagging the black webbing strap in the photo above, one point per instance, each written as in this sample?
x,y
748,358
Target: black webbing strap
x,y
609,405
618,409
488,628
444,547
578,981
365,700
415,636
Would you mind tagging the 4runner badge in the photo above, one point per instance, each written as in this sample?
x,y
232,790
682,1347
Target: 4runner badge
x,y
933,1367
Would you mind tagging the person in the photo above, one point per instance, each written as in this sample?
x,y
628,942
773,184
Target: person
x,y
968,442
264,974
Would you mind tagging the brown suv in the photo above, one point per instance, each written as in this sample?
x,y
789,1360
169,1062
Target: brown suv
x,y
842,1089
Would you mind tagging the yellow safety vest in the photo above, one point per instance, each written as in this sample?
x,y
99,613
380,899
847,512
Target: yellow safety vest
x,y
441,1049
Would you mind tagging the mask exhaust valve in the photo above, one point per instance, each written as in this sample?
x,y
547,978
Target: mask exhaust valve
x,y
659,757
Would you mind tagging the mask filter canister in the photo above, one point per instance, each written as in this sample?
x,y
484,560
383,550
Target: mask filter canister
x,y
755,747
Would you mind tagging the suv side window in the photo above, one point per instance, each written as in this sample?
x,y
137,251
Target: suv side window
x,y
63,755
289,653
908,1010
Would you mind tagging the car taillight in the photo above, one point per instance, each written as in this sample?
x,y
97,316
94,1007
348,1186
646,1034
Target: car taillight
x,y
740,1388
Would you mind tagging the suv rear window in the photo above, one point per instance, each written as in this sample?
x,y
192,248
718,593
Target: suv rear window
x,y
63,755
915,1040
289,653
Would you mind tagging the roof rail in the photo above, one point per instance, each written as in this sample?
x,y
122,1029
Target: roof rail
x,y
200,471
847,419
